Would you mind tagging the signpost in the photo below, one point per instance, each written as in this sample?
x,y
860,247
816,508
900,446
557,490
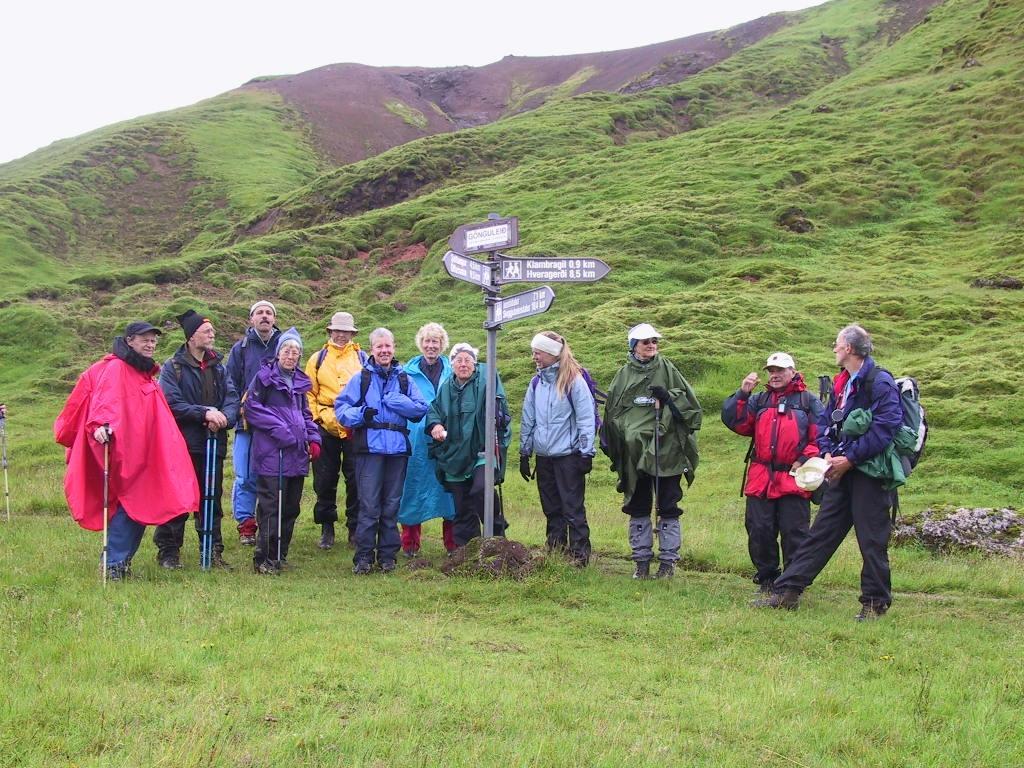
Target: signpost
x,y
490,236
540,269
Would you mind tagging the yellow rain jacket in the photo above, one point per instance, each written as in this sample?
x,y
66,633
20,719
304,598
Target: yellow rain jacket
x,y
330,368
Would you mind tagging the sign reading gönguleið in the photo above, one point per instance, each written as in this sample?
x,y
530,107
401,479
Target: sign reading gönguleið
x,y
521,305
541,269
469,270
485,236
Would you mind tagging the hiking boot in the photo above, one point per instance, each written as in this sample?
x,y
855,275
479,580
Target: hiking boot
x,y
362,569
870,612
218,561
326,536
247,530
388,567
643,569
665,571
788,599
118,572
267,568
171,561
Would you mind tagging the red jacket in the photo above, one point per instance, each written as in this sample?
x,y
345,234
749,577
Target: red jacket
x,y
151,474
780,439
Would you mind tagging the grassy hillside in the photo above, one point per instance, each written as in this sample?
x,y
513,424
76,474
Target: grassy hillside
x,y
899,158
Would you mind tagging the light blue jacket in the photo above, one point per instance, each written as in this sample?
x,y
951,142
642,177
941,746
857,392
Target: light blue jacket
x,y
387,431
553,425
423,498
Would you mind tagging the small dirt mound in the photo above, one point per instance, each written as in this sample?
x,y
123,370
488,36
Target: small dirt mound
x,y
795,220
1006,282
956,529
418,564
494,558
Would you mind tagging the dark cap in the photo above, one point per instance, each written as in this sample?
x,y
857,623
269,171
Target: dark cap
x,y
140,326
191,322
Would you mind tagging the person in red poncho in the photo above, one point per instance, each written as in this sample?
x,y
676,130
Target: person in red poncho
x,y
152,481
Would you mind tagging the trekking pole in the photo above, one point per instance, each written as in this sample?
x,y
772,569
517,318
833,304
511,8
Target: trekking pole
x,y
106,500
209,483
280,500
657,469
7,488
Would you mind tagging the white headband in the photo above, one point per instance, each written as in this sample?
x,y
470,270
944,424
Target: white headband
x,y
546,344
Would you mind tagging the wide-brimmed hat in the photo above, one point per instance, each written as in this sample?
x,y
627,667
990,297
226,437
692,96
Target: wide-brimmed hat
x,y
342,321
811,473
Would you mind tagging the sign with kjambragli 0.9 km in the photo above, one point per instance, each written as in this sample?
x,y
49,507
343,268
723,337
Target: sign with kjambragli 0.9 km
x,y
544,269
491,235
522,305
468,270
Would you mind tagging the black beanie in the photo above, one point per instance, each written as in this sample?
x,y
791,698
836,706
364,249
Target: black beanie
x,y
190,322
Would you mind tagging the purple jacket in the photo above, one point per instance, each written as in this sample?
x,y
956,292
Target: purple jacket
x,y
279,419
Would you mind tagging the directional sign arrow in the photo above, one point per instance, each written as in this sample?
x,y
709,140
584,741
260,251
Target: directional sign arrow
x,y
485,236
521,305
469,270
544,269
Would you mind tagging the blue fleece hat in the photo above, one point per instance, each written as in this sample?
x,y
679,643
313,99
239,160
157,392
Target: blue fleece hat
x,y
290,335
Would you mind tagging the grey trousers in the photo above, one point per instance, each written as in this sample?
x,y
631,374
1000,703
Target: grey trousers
x,y
641,539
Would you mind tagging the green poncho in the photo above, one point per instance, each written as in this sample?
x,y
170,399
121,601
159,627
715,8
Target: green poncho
x,y
628,429
887,465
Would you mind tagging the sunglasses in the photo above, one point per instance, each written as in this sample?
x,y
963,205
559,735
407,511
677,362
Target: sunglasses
x,y
648,341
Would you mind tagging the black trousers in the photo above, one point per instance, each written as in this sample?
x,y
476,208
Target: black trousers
x,y
765,520
562,487
670,493
266,515
337,459
468,496
856,501
170,537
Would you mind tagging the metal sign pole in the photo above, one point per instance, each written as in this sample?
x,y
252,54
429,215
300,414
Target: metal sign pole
x,y
490,434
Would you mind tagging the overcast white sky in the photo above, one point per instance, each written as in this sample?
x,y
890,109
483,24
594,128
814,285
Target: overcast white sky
x,y
70,67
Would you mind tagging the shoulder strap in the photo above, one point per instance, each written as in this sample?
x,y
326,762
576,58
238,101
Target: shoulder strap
x,y
321,357
364,386
176,365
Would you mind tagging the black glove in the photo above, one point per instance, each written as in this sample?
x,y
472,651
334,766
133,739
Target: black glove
x,y
524,467
662,394
586,463
369,414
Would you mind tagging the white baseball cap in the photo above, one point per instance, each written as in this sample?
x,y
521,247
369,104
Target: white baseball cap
x,y
780,360
811,473
643,331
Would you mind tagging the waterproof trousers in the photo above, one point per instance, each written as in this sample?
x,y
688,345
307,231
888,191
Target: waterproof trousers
x,y
642,528
767,519
468,496
562,487
337,459
268,499
381,478
243,494
856,501
170,537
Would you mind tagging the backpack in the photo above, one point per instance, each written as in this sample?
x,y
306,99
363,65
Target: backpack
x,y
915,423
759,400
600,398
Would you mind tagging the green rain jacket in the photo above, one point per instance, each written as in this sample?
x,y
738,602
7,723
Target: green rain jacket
x,y
885,466
461,410
629,422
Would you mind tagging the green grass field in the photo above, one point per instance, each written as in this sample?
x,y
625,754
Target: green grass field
x,y
910,167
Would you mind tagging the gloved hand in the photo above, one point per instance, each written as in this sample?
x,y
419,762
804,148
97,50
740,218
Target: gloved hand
x,y
369,414
661,393
524,467
586,463
314,451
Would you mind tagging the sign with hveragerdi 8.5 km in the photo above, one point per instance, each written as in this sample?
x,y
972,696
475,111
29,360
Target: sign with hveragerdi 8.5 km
x,y
545,269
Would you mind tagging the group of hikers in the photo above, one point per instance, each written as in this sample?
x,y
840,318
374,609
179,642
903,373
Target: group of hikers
x,y
146,445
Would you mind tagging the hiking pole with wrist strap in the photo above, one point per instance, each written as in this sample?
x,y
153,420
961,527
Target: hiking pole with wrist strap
x,y
657,470
209,483
7,488
106,501
280,500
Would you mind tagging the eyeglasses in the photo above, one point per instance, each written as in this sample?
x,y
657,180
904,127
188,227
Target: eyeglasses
x,y
648,341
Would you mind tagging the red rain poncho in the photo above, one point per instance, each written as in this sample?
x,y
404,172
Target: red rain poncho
x,y
151,474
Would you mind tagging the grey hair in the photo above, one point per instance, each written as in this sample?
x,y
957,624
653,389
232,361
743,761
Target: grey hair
x,y
289,343
858,339
377,333
432,331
